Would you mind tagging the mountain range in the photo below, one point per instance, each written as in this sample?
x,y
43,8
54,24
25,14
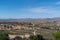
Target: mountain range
x,y
31,19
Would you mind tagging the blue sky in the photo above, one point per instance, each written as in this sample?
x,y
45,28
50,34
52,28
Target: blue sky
x,y
29,8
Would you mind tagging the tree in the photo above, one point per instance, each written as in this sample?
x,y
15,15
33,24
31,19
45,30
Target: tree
x,y
33,38
40,37
37,37
3,35
56,35
17,38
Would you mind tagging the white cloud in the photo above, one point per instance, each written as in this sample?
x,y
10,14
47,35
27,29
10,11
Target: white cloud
x,y
57,2
42,10
38,10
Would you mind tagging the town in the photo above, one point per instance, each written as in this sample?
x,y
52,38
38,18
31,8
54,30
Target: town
x,y
26,29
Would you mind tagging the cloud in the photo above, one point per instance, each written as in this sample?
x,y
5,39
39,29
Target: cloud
x,y
42,10
38,10
57,2
35,10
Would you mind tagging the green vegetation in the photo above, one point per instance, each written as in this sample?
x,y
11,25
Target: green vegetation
x,y
37,37
56,35
18,38
3,35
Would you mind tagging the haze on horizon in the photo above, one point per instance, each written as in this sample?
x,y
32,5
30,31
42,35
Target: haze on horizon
x,y
29,8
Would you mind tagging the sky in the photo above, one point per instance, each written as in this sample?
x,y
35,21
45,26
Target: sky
x,y
29,8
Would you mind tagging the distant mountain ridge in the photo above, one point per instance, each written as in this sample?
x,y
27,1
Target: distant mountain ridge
x,y
30,19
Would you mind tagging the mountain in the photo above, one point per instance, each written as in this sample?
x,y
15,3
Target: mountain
x,y
31,20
